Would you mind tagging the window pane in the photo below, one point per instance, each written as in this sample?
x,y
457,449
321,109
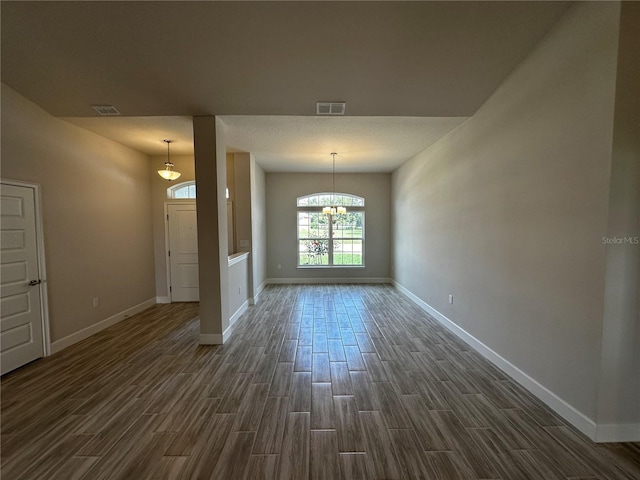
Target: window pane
x,y
303,225
312,225
317,232
182,190
349,225
328,199
325,199
349,200
313,252
318,225
347,252
323,225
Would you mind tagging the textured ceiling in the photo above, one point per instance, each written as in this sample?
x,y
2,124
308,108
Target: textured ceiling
x,y
145,134
363,144
288,143
161,62
434,59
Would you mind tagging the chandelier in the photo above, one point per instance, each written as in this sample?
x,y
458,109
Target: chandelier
x,y
168,173
334,210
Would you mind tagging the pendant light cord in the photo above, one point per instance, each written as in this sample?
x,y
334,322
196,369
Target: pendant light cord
x,y
168,153
333,191
168,173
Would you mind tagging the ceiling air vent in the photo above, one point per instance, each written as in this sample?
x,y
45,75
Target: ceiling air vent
x,y
106,110
330,108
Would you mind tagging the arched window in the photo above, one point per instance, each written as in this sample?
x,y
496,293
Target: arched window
x,y
330,240
330,199
182,190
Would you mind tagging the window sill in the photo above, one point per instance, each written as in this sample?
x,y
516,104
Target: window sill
x,y
237,257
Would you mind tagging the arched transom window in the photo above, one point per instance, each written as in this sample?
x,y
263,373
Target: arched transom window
x,y
182,190
330,199
330,240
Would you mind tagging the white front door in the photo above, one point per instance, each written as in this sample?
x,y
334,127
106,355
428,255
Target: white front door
x,y
183,253
21,328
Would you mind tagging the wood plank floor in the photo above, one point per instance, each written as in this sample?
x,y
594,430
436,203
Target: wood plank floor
x,y
321,382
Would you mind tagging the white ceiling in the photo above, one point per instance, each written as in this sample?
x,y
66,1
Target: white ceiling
x,y
288,143
363,144
145,134
161,62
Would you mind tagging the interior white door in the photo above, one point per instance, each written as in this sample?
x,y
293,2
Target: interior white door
x,y
21,330
183,253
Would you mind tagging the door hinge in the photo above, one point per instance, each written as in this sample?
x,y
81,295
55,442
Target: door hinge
x,y
167,216
170,289
169,252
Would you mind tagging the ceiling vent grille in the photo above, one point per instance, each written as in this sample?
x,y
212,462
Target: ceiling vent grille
x,y
330,108
106,110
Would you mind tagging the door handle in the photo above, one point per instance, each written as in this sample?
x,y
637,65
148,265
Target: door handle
x,y
35,282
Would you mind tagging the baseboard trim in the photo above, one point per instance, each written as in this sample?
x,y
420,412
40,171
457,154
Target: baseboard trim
x,y
625,432
234,318
163,299
304,281
210,339
553,401
256,297
220,338
80,335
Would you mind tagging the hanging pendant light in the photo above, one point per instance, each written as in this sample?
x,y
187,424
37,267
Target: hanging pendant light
x,y
334,210
168,173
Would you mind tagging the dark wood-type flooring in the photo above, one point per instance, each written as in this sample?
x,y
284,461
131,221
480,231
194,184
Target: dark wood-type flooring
x,y
322,382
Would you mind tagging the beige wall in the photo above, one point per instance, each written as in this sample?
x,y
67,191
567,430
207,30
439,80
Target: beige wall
x,y
242,204
238,285
619,389
507,212
185,165
231,224
96,211
282,190
211,177
258,227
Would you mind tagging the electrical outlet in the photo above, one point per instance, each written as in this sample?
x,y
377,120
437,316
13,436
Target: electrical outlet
x,y
279,266
96,302
451,299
